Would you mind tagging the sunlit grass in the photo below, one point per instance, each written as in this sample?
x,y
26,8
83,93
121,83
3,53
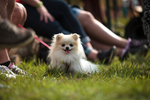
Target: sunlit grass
x,y
127,80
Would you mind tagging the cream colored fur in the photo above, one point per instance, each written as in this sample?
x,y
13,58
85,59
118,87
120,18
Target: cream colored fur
x,y
66,50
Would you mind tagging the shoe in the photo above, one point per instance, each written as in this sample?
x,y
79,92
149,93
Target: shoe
x,y
5,70
142,50
107,56
15,69
12,36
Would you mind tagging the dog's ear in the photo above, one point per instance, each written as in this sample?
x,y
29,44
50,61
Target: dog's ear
x,y
75,36
59,36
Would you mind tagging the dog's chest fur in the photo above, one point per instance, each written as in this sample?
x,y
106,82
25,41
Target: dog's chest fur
x,y
67,58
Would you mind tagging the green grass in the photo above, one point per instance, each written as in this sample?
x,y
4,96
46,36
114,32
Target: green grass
x,y
128,80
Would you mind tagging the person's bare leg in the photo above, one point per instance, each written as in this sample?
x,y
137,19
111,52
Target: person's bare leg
x,y
93,55
3,56
3,8
19,37
19,14
100,46
10,8
3,13
99,32
23,37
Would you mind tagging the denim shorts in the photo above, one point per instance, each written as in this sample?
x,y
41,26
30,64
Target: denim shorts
x,y
75,10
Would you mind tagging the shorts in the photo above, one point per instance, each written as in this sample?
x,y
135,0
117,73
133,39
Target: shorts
x,y
75,10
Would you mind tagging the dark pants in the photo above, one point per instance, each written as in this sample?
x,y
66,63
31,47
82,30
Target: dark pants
x,y
65,21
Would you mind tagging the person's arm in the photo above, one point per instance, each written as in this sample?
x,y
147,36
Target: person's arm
x,y
44,14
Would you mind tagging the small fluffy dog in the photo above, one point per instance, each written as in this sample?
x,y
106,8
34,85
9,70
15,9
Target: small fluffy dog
x,y
68,55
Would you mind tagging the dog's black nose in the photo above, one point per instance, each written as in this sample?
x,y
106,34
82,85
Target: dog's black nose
x,y
67,48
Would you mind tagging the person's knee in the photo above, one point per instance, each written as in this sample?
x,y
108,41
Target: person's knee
x,y
88,15
84,17
19,14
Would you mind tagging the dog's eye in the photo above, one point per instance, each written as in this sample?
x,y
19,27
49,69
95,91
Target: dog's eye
x,y
63,45
71,45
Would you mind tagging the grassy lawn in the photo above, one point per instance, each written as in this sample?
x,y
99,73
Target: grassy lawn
x,y
128,80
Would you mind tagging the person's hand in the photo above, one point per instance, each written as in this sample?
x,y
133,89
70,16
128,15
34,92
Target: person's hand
x,y
44,14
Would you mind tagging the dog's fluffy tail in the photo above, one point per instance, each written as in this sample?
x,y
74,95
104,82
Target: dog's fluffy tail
x,y
88,67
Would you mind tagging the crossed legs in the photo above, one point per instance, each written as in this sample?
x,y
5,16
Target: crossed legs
x,y
101,37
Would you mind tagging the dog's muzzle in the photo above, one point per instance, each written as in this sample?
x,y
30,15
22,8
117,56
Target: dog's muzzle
x,y
67,50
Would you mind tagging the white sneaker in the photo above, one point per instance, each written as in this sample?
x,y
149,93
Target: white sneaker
x,y
15,69
5,70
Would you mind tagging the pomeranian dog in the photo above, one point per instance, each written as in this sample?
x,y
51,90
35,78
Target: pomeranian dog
x,y
68,55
